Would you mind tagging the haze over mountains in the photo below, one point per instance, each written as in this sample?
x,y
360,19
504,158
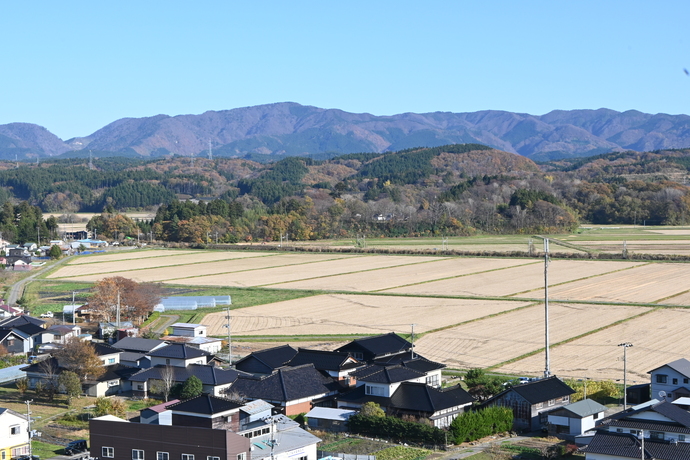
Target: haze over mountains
x,y
293,129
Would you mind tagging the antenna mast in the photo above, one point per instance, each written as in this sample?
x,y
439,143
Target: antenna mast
x,y
210,150
227,317
547,369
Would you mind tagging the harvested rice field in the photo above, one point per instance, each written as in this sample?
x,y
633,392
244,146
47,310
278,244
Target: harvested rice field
x,y
354,314
471,311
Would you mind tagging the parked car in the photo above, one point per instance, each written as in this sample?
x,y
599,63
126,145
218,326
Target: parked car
x,y
27,457
48,314
76,447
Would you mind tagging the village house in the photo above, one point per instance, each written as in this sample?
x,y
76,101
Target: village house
x,y
575,419
671,381
14,438
532,401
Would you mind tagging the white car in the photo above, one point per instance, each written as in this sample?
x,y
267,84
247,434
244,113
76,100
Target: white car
x,y
48,314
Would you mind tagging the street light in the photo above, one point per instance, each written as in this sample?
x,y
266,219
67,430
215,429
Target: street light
x,y
625,346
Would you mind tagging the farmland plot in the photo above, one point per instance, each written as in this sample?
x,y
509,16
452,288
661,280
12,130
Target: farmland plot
x,y
387,278
139,264
514,280
658,338
490,341
270,276
353,314
129,254
643,284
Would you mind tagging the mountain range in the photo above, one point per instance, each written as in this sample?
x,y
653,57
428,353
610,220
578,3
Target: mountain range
x,y
288,129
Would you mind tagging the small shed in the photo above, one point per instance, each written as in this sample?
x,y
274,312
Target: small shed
x,y
329,419
576,418
189,330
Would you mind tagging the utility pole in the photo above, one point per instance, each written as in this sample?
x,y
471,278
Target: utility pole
x,y
547,369
227,319
412,339
28,429
625,346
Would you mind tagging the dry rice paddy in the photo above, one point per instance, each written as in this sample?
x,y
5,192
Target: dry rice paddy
x,y
473,312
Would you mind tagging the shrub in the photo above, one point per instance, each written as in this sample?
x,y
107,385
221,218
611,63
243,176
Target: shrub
x,y
395,428
471,426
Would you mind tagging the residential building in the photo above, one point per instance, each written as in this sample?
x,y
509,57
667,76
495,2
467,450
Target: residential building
x,y
14,436
329,419
113,438
215,381
179,355
292,389
532,401
15,341
208,344
671,381
575,419
336,364
664,426
266,361
63,332
378,347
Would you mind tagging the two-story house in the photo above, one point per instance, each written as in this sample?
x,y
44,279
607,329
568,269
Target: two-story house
x,y
532,401
178,355
14,436
653,430
671,381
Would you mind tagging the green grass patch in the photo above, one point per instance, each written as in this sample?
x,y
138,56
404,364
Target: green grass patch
x,y
141,404
402,453
45,450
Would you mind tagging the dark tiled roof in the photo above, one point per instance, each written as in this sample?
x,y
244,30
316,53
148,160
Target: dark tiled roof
x,y
681,365
324,360
137,344
16,321
358,396
5,332
204,404
131,356
380,345
680,418
286,384
386,374
541,390
209,375
178,351
117,371
421,397
418,363
41,366
628,446
104,349
273,358
27,328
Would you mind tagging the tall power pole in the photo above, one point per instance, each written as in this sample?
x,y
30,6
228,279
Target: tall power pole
x,y
547,369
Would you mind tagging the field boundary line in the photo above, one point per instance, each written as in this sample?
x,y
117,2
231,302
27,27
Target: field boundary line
x,y
584,278
462,323
672,296
454,277
138,258
572,339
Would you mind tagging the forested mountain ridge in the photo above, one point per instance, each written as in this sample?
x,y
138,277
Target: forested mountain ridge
x,y
455,189
287,129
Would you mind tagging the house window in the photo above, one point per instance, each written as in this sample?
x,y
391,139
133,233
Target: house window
x,y
167,361
140,386
187,457
661,378
675,381
619,430
242,456
111,360
137,454
686,380
212,458
358,355
4,455
539,405
595,416
681,438
374,391
108,452
14,429
432,380
162,456
113,383
552,402
657,435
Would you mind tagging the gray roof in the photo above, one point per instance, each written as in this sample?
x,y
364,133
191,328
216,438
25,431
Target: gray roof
x,y
585,408
179,351
681,366
620,445
209,375
138,344
285,384
386,374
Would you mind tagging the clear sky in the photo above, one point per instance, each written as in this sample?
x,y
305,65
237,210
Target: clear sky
x,y
75,66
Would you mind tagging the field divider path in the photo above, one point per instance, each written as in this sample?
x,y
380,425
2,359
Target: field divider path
x,y
152,256
672,296
582,279
452,277
572,339
473,320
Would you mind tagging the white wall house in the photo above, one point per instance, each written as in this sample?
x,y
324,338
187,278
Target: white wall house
x,y
673,379
14,437
189,330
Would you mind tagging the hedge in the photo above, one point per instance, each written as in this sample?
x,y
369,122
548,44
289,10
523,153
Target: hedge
x,y
395,428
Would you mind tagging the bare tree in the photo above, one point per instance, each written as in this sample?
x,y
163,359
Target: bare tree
x,y
165,384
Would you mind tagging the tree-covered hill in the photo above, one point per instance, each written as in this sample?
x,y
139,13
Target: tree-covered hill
x,y
452,190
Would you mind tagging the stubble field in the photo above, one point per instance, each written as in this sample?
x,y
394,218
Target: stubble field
x,y
471,311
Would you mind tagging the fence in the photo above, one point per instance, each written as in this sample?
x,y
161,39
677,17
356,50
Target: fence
x,y
334,455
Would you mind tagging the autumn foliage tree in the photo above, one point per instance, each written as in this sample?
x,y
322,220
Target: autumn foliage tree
x,y
136,300
80,357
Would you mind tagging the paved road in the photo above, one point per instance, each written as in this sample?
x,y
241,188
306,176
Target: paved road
x,y
171,319
17,289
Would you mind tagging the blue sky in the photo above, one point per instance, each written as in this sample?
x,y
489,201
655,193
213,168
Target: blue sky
x,y
74,67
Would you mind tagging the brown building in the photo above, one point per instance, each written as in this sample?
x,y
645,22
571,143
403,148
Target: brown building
x,y
117,439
